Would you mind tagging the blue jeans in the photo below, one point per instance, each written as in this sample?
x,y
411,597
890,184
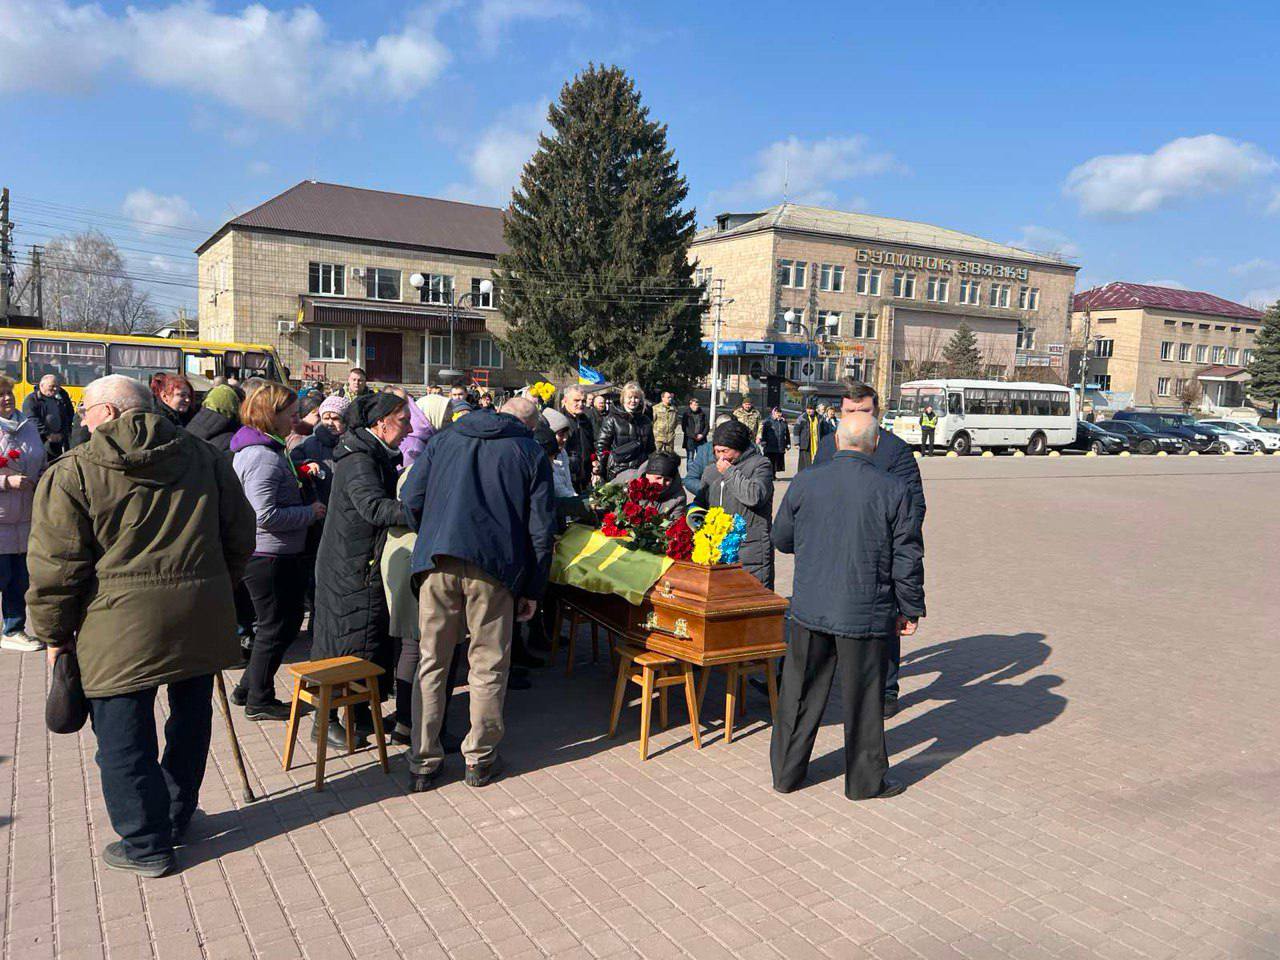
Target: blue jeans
x,y
13,588
148,798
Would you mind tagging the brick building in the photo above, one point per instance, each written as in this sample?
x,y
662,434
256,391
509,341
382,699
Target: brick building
x,y
880,297
1163,347
322,272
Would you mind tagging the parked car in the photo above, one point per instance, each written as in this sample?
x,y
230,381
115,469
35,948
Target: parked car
x,y
1142,439
1090,436
1225,440
1270,441
1179,425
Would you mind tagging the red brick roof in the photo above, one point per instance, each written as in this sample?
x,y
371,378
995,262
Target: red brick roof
x,y
1127,296
397,219
1221,370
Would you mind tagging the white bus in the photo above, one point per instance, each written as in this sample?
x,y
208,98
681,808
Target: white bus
x,y
990,414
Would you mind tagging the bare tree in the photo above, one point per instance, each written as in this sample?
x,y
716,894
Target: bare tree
x,y
921,357
1190,394
86,287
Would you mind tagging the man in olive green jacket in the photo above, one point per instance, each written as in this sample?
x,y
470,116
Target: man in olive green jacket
x,y
137,537
665,415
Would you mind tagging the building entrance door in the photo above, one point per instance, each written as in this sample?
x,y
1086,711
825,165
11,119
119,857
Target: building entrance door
x,y
383,353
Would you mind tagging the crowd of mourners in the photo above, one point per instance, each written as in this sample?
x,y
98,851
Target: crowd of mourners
x,y
161,539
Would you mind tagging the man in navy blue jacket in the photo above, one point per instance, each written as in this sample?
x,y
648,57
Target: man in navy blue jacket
x,y
482,497
859,580
892,455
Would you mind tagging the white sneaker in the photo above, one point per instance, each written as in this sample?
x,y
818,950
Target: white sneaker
x,y
21,642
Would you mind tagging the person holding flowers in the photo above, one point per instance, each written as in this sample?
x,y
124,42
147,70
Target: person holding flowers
x,y
662,470
22,460
740,482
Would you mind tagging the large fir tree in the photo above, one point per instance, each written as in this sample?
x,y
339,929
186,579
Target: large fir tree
x,y
961,355
598,267
1264,368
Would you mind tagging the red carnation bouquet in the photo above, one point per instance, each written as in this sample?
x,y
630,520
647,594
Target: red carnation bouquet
x,y
631,512
680,540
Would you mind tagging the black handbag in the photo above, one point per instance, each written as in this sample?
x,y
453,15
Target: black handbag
x,y
67,708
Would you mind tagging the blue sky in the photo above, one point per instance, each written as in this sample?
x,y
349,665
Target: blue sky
x,y
1147,146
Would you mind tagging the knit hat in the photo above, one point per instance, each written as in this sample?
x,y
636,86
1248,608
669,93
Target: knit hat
x,y
224,400
733,435
664,465
556,420
336,404
372,407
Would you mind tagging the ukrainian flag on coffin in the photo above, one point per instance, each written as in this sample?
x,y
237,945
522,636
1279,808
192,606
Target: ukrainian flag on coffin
x,y
586,375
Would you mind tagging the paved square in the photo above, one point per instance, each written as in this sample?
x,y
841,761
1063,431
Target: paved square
x,y
1089,730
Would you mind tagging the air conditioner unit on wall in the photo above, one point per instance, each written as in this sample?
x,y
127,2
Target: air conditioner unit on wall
x,y
357,272
285,327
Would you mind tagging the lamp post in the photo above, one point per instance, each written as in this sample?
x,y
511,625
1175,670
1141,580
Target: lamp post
x,y
450,373
790,317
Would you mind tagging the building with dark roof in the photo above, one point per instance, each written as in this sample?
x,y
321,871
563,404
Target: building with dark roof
x,y
1163,347
323,272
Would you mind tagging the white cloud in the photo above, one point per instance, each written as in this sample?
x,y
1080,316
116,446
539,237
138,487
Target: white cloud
x,y
156,213
276,64
806,171
1131,184
1045,240
1262,297
498,157
1256,265
492,17
1274,205
259,168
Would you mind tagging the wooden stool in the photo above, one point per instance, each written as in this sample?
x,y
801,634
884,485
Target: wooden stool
x,y
328,685
576,616
735,689
653,671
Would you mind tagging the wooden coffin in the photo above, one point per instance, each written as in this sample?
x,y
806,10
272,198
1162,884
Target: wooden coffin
x,y
704,615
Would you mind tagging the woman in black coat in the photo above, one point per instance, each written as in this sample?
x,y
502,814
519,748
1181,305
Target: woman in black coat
x,y
351,617
625,438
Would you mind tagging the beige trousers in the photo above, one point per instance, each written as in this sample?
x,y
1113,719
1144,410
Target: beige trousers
x,y
457,598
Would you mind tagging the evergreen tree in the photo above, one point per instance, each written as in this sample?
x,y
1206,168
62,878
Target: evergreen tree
x,y
598,267
961,355
1264,368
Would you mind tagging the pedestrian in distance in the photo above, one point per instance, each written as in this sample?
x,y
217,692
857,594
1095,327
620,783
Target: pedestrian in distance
x,y
596,410
22,461
276,575
859,581
693,429
625,439
137,537
218,418
700,459
749,416
810,428
740,481
775,439
49,406
665,418
482,500
928,424
357,384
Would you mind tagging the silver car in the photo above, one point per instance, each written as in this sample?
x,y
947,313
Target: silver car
x,y
1225,440
1270,441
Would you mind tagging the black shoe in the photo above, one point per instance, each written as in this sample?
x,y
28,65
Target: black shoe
x,y
402,739
275,710
890,707
238,696
480,776
758,685
337,737
888,788
113,856
518,681
528,660
422,782
449,743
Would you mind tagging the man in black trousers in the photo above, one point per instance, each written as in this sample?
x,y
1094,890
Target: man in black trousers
x,y
859,580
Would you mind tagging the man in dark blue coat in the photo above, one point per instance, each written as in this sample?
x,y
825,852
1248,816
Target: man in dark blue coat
x,y
892,455
859,580
482,497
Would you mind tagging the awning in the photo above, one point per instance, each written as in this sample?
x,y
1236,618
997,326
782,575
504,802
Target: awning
x,y
761,348
333,311
1220,373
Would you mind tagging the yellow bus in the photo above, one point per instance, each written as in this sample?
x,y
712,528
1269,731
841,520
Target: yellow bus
x,y
26,355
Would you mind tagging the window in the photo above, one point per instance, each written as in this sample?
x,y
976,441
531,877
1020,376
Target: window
x,y
829,323
869,281
860,369
791,273
1247,357
780,321
1166,349
904,285
1028,298
970,292
382,284
1217,354
1026,337
140,362
937,289
1000,294
1179,385
1102,381
1202,353
1103,348
437,289
1162,386
702,278
329,278
439,350
77,362
1233,356
478,297
328,343
11,359
1184,352
831,277
864,326
485,353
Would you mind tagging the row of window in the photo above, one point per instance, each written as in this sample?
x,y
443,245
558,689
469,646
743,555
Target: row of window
x,y
1165,387
1017,403
794,274
80,362
384,283
826,369
1232,356
330,344
861,326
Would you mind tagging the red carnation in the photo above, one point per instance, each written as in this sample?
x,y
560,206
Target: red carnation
x,y
14,453
631,510
4,462
679,540
649,513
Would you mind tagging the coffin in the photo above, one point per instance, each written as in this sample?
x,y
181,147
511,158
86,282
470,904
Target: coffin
x,y
703,615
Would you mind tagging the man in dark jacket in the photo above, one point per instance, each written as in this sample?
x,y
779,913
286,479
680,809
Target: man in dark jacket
x,y
581,446
859,580
693,426
136,539
481,497
740,481
50,407
625,439
893,455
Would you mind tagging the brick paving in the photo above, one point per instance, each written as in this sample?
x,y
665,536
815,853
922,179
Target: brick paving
x,y
1088,731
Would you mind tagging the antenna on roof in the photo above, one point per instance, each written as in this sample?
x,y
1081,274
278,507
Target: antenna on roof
x,y
786,178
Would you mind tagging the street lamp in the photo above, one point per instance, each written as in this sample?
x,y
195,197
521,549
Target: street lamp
x,y
451,374
790,317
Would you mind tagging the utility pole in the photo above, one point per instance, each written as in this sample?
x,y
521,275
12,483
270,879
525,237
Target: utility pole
x,y
1084,355
718,283
37,277
6,260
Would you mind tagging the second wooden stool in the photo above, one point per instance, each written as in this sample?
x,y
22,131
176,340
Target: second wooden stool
x,y
328,685
735,688
653,672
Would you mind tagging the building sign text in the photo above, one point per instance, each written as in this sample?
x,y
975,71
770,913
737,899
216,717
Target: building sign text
x,y
973,268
